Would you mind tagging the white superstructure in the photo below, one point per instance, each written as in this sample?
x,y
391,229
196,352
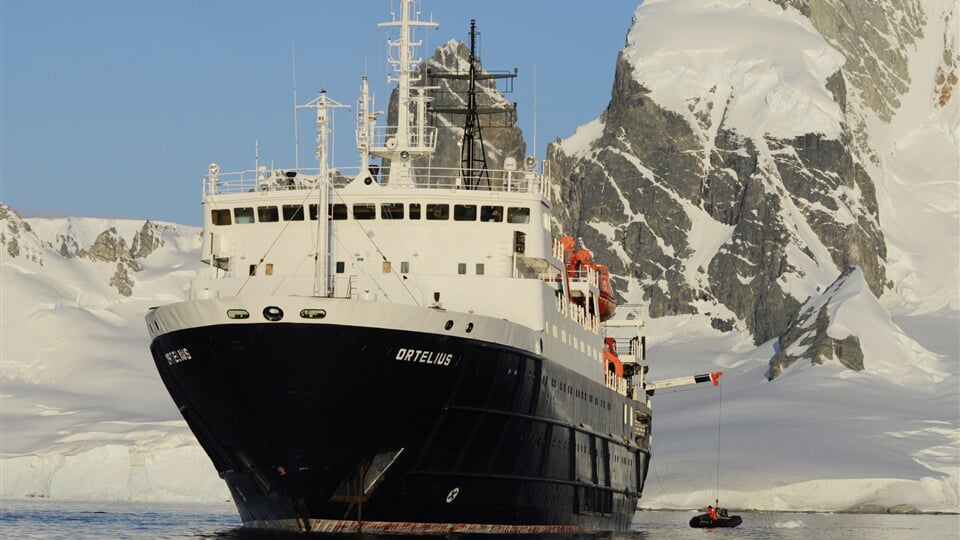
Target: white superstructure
x,y
404,232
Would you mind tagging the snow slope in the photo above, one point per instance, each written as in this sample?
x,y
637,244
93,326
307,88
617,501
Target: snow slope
x,y
83,411
774,59
817,437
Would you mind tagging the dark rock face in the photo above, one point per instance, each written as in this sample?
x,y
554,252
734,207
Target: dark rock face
x,y
17,238
11,233
807,337
786,206
147,240
122,281
111,247
67,246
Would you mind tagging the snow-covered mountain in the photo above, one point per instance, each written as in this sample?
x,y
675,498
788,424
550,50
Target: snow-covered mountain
x,y
782,196
747,159
788,172
82,409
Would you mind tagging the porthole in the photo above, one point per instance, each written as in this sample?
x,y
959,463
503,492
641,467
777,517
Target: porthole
x,y
469,327
313,313
272,313
448,326
238,314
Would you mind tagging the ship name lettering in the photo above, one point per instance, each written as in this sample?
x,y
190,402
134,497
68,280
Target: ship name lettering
x,y
178,355
424,357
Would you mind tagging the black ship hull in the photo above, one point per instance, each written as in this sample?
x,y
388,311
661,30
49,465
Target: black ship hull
x,y
334,428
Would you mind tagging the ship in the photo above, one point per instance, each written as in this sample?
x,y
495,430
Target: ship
x,y
403,348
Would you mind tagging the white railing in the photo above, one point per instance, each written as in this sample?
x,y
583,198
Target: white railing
x,y
619,384
499,180
385,137
584,274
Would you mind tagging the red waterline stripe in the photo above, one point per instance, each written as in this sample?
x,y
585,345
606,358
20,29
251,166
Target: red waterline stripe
x,y
402,527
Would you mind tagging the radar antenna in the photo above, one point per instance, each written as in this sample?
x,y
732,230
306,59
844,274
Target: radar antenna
x,y
473,156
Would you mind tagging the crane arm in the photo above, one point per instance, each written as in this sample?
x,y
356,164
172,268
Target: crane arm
x,y
684,381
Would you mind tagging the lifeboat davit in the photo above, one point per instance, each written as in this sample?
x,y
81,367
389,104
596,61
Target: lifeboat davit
x,y
577,262
610,357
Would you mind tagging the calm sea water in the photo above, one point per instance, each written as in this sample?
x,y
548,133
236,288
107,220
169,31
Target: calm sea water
x,y
43,519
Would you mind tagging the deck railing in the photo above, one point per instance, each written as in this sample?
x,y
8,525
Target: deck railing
x,y
500,180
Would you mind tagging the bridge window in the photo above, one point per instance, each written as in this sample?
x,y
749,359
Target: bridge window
x,y
391,211
464,212
338,211
438,211
313,212
266,214
220,217
243,215
293,212
414,210
364,211
518,215
491,213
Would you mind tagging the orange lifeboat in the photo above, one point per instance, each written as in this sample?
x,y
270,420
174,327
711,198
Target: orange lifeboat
x,y
608,302
581,259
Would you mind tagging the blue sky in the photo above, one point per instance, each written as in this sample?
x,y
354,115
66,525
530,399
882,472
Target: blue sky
x,y
114,108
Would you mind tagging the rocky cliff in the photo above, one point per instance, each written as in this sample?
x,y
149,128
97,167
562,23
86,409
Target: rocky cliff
x,y
109,247
16,237
734,186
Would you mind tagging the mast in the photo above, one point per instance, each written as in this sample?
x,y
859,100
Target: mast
x,y
366,122
410,137
470,162
473,155
321,271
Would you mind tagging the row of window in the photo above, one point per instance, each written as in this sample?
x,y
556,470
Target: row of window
x,y
366,211
579,394
561,334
